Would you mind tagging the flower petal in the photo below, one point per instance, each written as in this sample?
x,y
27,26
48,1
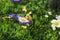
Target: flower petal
x,y
58,17
53,21
14,16
58,26
24,22
53,27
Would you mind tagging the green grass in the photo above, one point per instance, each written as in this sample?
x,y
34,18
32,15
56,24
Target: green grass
x,y
40,27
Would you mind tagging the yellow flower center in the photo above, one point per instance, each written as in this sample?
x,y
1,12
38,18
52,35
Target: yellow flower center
x,y
23,20
56,23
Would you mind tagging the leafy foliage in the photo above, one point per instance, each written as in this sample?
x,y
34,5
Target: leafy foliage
x,y
40,27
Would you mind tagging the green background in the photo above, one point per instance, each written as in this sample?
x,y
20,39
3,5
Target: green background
x,y
40,27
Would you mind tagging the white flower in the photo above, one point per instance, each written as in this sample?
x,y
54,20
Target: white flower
x,y
58,17
55,23
46,16
49,13
53,27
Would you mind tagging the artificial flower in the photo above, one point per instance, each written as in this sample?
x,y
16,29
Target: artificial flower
x,y
55,23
